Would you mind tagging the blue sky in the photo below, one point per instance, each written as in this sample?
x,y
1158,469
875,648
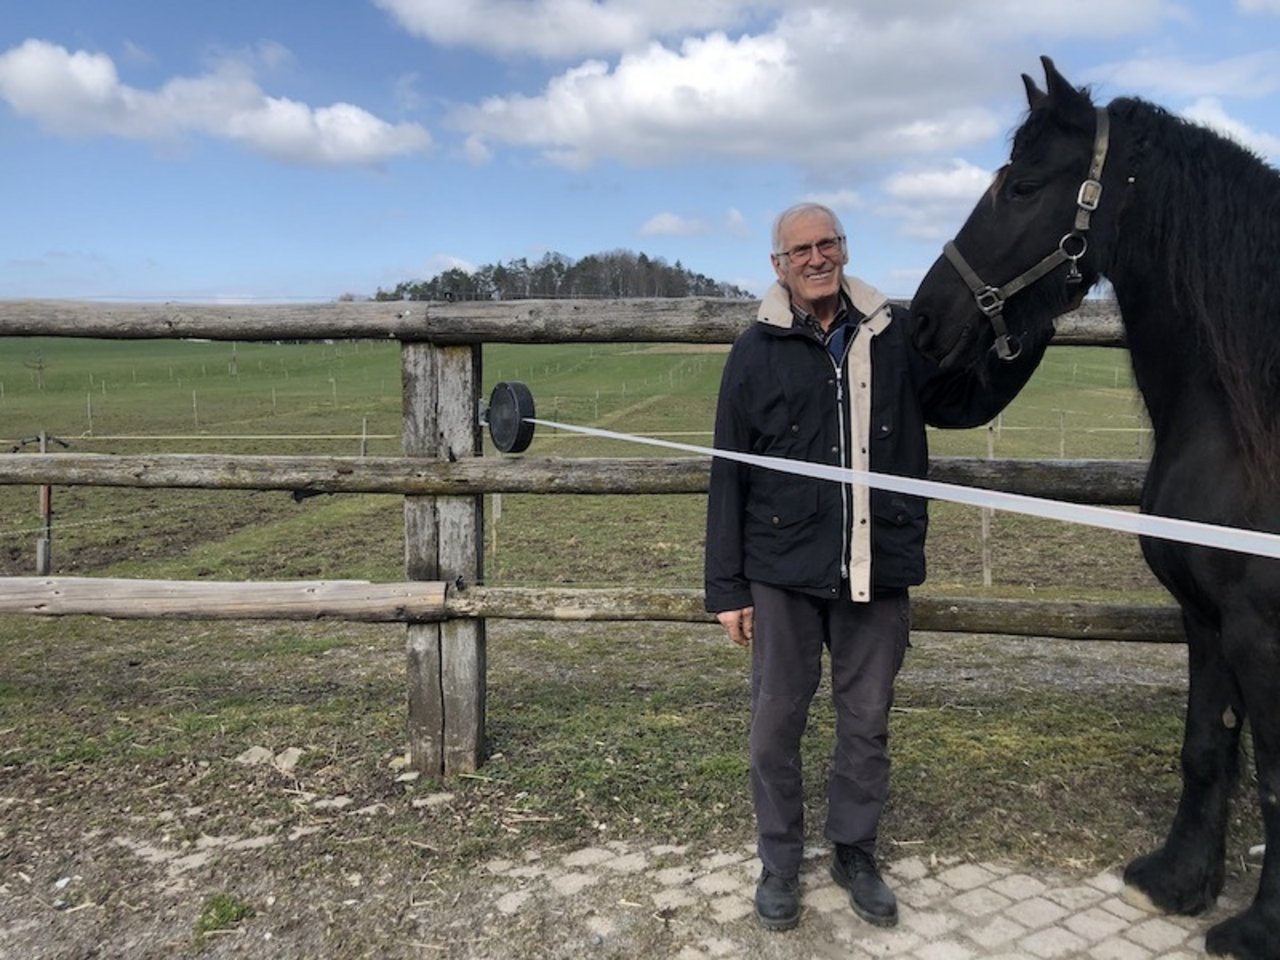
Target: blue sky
x,y
250,150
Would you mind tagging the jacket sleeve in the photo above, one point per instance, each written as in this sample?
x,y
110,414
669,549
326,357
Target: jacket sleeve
x,y
974,395
726,586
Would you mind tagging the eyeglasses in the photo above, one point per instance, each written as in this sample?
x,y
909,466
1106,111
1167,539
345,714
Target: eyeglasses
x,y
828,248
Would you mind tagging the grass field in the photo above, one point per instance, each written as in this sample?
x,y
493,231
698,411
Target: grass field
x,y
344,398
1034,751
90,390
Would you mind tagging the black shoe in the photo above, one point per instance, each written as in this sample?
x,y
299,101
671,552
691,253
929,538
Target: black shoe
x,y
855,870
777,901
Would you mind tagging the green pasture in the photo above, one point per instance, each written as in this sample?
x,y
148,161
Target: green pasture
x,y
192,393
344,398
1080,403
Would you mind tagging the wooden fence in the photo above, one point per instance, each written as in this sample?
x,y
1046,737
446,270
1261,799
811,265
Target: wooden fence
x,y
443,476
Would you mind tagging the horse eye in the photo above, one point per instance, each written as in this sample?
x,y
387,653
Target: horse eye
x,y
1024,188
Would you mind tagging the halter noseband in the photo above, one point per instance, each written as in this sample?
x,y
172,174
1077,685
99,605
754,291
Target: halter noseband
x,y
1071,248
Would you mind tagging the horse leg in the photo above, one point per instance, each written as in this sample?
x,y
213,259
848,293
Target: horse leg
x,y
1255,933
1186,874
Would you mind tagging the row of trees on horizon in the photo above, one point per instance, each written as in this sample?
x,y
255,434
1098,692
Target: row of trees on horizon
x,y
617,273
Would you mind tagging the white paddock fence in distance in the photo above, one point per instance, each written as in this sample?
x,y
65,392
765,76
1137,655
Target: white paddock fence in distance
x,y
443,477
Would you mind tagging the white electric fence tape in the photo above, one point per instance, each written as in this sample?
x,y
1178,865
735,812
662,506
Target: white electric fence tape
x,y
1165,528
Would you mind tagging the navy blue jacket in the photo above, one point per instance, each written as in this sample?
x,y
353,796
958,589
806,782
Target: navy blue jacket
x,y
779,396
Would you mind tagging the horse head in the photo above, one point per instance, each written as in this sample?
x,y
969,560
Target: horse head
x,y
1030,240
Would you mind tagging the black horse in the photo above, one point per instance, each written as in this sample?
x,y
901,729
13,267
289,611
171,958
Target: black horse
x,y
1186,227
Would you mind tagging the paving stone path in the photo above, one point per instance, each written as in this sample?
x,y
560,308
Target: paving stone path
x,y
612,899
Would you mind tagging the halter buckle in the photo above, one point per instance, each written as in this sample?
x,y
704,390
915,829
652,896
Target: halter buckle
x,y
1090,195
989,300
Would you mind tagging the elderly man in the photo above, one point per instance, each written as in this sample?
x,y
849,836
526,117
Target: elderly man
x,y
829,375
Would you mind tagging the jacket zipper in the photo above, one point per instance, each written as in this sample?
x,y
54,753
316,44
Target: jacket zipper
x,y
846,545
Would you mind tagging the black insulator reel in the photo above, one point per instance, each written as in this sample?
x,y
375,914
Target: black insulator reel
x,y
510,405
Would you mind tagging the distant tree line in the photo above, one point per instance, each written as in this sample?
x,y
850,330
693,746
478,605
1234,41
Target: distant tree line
x,y
618,273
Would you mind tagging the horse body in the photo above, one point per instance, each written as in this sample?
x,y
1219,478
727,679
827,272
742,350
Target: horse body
x,y
1186,231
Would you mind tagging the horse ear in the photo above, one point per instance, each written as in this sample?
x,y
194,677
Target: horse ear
x,y
1063,95
1035,96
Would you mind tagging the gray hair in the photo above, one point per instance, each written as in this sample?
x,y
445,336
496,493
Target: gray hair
x,y
789,214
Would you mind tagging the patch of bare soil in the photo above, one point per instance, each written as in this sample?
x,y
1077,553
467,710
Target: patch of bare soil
x,y
360,860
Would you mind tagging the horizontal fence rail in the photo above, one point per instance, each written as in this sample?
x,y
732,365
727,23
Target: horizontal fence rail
x,y
1094,323
127,599
424,602
1101,482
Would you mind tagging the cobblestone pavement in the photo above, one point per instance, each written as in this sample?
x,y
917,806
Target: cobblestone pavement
x,y
698,908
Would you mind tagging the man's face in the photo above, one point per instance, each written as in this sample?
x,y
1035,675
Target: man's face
x,y
810,275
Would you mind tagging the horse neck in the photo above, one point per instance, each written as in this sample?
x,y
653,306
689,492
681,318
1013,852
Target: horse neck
x,y
1166,338
1166,351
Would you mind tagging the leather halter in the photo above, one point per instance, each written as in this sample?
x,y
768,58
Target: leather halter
x,y
1071,248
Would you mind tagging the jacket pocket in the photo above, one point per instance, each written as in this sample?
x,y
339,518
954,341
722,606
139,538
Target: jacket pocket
x,y
898,534
788,539
780,501
898,510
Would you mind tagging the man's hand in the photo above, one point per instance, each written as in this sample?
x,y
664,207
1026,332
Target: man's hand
x,y
739,624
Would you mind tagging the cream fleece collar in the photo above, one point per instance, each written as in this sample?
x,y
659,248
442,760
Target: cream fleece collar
x,y
775,308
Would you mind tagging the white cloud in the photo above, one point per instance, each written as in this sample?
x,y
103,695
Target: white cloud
x,y
1210,112
1259,6
930,204
405,89
651,106
671,225
338,135
759,80
1248,75
1087,18
476,151
837,89
80,94
838,200
960,181
136,53
750,98
561,29
736,223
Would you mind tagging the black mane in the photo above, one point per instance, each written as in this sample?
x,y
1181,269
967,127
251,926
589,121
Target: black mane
x,y
1211,222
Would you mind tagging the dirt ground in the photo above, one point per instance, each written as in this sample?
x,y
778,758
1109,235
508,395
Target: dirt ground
x,y
97,864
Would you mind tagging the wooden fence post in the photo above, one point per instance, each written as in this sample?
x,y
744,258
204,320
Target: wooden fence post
x,y
444,541
44,544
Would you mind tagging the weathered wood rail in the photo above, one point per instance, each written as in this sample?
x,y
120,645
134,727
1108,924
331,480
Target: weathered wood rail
x,y
430,602
1095,323
442,477
1116,482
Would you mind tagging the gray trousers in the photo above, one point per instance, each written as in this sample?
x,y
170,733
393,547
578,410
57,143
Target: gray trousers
x,y
867,643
